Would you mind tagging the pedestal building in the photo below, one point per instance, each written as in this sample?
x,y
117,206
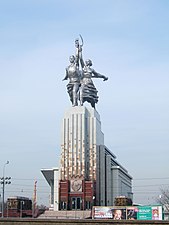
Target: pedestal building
x,y
89,173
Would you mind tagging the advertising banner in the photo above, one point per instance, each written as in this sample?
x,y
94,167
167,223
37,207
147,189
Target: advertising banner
x,y
150,213
119,213
154,212
102,212
132,212
144,213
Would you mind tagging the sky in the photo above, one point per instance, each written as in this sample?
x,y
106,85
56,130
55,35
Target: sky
x,y
128,41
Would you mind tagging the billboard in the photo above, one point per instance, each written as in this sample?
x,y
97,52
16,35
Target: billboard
x,y
102,212
154,212
150,213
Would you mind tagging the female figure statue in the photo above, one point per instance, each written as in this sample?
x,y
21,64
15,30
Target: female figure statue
x,y
88,92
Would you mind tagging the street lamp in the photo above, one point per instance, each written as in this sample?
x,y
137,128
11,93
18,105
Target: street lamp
x,y
4,181
21,207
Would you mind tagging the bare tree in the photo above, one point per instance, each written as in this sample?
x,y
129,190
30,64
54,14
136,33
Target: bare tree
x,y
164,199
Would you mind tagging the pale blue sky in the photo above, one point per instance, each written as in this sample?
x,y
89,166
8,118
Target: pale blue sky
x,y
128,41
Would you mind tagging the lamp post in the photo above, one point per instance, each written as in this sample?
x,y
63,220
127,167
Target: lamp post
x,y
21,207
4,181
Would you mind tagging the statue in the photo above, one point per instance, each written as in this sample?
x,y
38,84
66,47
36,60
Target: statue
x,y
88,92
73,73
81,86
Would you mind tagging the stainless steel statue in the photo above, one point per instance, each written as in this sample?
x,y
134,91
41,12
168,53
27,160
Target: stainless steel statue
x,y
81,87
73,73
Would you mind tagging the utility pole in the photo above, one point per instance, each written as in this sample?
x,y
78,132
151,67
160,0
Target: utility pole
x,y
34,200
4,181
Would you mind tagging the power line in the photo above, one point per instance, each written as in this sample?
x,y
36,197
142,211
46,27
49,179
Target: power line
x,y
152,178
28,185
13,178
149,185
135,179
47,186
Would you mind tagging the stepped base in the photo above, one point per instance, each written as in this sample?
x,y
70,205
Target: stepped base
x,y
66,214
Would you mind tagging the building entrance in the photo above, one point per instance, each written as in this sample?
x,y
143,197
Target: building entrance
x,y
76,203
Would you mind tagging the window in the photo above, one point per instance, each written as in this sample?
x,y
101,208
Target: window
x,y
87,205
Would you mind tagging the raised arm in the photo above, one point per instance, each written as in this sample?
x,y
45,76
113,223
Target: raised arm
x,y
98,75
81,57
77,52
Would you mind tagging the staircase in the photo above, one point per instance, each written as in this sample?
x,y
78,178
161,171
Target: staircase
x,y
65,214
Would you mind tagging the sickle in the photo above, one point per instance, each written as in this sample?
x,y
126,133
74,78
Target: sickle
x,y
81,40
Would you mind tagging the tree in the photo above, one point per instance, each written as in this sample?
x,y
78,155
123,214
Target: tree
x,y
164,199
43,207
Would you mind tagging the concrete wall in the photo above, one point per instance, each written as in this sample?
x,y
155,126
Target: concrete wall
x,y
122,185
112,179
100,181
109,181
81,133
